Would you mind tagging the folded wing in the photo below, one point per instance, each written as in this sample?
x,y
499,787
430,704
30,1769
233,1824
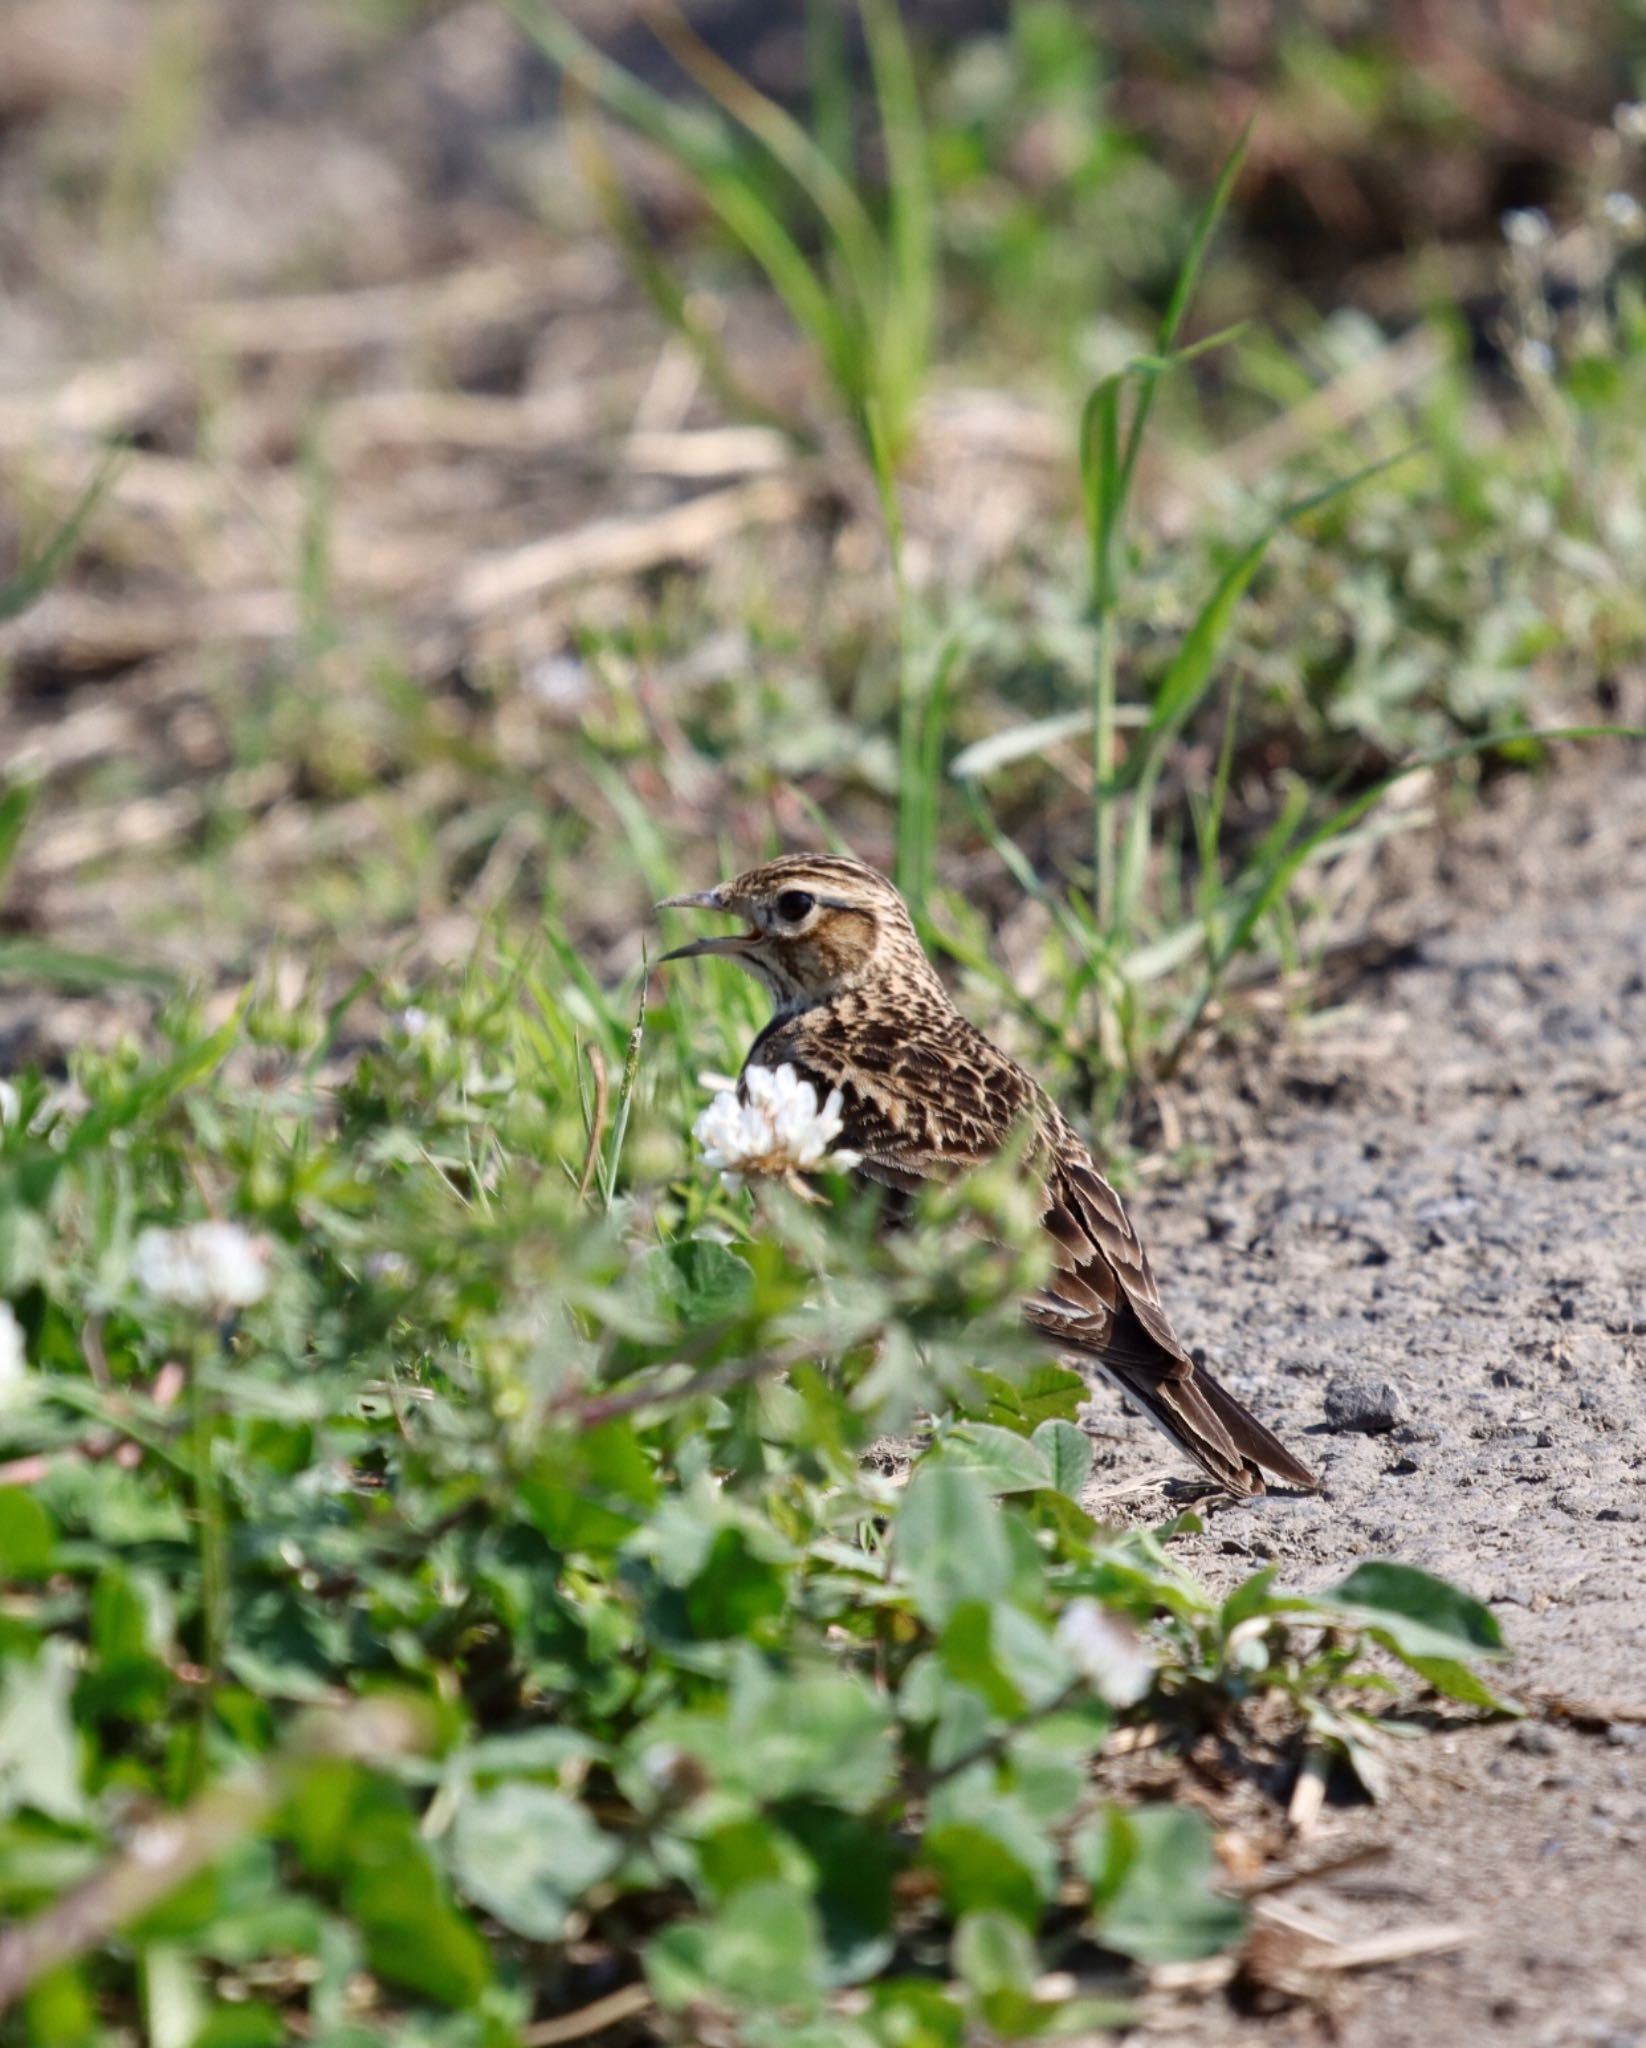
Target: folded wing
x,y
1101,1300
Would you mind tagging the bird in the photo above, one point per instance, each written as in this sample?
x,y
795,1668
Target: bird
x,y
925,1096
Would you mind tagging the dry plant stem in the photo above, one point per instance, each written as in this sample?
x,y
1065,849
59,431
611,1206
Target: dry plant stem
x,y
1308,1873
590,1411
918,1784
1103,761
209,1536
144,824
372,316
164,1853
1403,366
625,546
1319,1948
1127,1741
1309,1793
1145,1482
91,1346
597,1123
1587,1714
1400,1944
626,2004
89,634
707,451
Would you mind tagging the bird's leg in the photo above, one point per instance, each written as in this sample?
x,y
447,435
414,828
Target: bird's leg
x,y
1205,1496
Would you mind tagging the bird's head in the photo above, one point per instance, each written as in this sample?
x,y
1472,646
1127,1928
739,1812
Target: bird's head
x,y
815,925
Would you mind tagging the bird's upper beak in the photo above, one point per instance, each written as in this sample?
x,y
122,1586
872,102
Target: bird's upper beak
x,y
707,899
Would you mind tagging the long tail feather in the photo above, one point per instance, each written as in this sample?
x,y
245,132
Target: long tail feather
x,y
1197,1413
1257,1443
1210,1448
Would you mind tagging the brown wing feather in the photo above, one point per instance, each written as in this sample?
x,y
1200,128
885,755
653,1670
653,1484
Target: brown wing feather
x,y
1103,1300
1090,1224
923,1105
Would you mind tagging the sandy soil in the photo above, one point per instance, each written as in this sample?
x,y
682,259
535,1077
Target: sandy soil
x,y
1447,1192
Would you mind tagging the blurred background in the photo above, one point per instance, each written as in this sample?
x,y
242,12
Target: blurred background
x,y
569,450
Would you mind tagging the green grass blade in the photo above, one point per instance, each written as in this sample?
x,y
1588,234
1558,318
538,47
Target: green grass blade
x,y
830,81
1183,291
934,723
815,309
811,167
1188,276
1105,477
702,145
698,140
16,804
1187,679
31,960
1021,869
1209,818
1191,672
35,578
1276,872
1099,452
1018,742
122,1107
672,303
911,264
625,1102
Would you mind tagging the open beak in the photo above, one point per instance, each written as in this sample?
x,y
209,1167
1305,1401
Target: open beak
x,y
733,943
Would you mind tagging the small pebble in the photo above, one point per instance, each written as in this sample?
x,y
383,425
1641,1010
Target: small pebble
x,y
1370,1406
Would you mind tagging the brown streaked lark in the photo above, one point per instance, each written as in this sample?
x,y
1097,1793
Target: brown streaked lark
x,y
926,1097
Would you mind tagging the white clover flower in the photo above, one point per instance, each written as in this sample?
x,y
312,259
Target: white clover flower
x,y
1629,119
1526,227
216,1266
773,1128
560,683
11,1104
1534,358
14,1360
1623,212
1107,1651
156,1842
414,1020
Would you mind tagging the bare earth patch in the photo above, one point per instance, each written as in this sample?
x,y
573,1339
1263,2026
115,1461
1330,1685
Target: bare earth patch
x,y
1447,1196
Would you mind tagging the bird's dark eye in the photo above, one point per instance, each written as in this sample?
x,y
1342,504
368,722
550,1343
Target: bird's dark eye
x,y
793,905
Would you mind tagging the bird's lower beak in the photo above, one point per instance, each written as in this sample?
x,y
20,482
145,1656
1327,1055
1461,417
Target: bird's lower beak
x,y
732,942
707,899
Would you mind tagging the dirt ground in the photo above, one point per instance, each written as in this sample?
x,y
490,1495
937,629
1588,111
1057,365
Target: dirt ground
x,y
1446,1192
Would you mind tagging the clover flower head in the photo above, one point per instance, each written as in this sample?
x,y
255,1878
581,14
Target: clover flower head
x,y
1107,1651
1629,119
1624,213
1533,359
14,1360
1526,227
772,1127
217,1266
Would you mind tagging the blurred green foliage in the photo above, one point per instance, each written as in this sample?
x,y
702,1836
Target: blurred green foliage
x,y
504,1607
